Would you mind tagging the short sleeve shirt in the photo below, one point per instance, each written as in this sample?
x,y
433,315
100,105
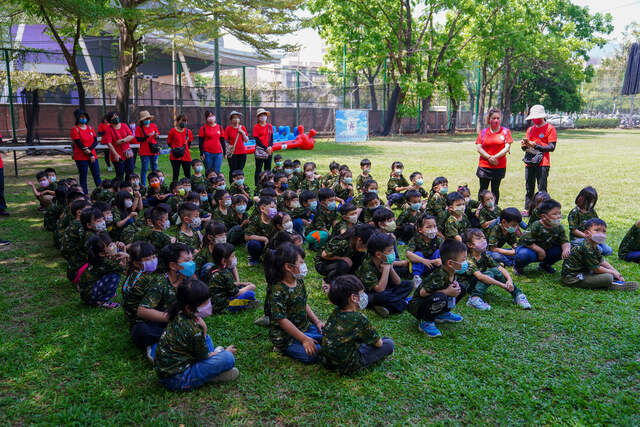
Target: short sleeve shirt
x,y
177,139
493,143
544,136
287,303
368,274
582,259
230,134
544,237
86,136
222,286
141,132
112,135
498,237
182,343
212,136
577,218
425,246
454,227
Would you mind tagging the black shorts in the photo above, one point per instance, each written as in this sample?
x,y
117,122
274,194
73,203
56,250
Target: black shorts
x,y
490,173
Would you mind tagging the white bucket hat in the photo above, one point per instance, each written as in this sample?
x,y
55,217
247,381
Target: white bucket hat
x,y
536,112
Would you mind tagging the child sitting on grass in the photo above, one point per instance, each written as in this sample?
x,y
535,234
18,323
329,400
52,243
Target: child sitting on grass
x,y
484,272
584,211
349,340
46,190
189,232
457,222
407,219
227,293
365,175
439,292
585,267
324,219
629,249
423,249
489,213
397,185
437,203
185,357
505,233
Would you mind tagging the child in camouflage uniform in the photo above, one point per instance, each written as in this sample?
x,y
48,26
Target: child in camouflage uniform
x,y
584,211
489,213
407,219
73,240
189,232
437,203
365,175
349,340
260,229
324,219
456,222
396,185
505,233
98,283
227,292
629,249
423,249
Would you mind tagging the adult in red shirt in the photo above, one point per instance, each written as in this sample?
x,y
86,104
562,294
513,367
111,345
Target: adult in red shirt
x,y
179,140
540,138
493,144
147,134
85,140
3,202
117,137
263,135
236,134
103,127
211,142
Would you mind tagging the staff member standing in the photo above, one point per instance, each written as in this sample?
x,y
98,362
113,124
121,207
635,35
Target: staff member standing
x,y
493,144
236,135
179,140
85,140
541,139
146,134
211,142
263,134
117,137
103,127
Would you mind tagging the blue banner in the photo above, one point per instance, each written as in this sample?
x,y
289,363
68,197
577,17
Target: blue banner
x,y
352,125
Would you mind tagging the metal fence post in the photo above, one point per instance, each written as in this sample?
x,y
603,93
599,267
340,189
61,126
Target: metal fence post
x,y
384,91
180,84
244,90
297,97
477,106
216,69
13,117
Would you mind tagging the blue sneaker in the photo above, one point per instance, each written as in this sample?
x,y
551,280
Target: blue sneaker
x,y
401,243
449,317
253,263
430,329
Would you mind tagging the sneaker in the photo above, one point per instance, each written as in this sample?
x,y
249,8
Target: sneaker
x,y
151,352
477,302
623,286
262,321
253,263
4,242
547,268
401,243
430,329
227,376
218,349
110,169
522,301
417,281
382,311
449,317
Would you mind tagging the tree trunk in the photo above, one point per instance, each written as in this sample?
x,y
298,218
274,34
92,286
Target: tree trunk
x,y
481,97
424,115
371,79
125,67
453,121
356,91
507,88
396,98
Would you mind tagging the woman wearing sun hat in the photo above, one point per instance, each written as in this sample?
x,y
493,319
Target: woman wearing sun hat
x,y
147,136
236,135
539,141
263,134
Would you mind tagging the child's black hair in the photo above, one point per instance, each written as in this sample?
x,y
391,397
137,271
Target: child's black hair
x,y
342,288
212,229
186,208
454,197
219,195
277,157
593,222
382,214
221,251
538,198
482,194
346,208
325,193
470,233
268,191
157,213
365,162
185,181
450,249
89,215
140,250
191,294
362,231
193,197
72,196
238,198
424,218
171,253
97,244
411,193
546,206
439,181
274,261
195,162
396,164
280,238
50,170
367,183
288,164
151,175
334,165
199,188
414,174
265,200
78,205
378,242
41,174
289,195
306,195
369,197
236,173
279,176
296,162
587,198
312,164
278,220
464,189
511,215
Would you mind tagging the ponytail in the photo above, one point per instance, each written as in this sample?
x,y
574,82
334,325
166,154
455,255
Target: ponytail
x,y
274,261
190,293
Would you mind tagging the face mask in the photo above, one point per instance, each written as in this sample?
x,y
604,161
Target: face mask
x,y
82,121
150,265
481,246
166,225
298,169
188,268
182,125
146,122
128,203
182,192
416,206
555,222
221,187
366,170
348,180
234,262
374,191
302,271
288,226
431,233
294,205
279,163
187,189
332,206
599,237
203,199
155,185
135,183
227,202
272,212
205,311
198,168
284,186
313,205
398,171
351,219
309,174
100,226
161,178
241,208
108,218
390,258
538,122
419,181
288,171
52,178
467,199
373,208
111,250
239,181
489,204
444,190
463,267
44,183
390,226
262,118
211,119
195,222
511,230
221,239
115,120
459,209
363,302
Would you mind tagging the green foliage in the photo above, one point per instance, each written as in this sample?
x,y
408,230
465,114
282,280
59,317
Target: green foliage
x,y
597,123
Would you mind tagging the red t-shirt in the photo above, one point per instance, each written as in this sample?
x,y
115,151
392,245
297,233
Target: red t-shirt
x,y
493,143
144,146
544,136
86,137
103,128
177,139
212,136
112,135
264,133
231,133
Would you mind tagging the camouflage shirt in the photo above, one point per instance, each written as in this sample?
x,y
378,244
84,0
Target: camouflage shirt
x,y
438,280
94,273
485,214
498,237
420,243
342,192
408,216
329,180
235,188
535,216
257,227
73,244
482,264
544,237
52,214
436,205
323,219
161,295
162,190
287,303
222,286
134,289
630,242
340,227
194,241
360,179
336,247
312,185
394,182
583,259
226,218
342,336
368,274
203,257
577,218
454,227
198,180
159,239
182,343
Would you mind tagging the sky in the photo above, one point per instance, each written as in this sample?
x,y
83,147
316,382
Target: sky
x,y
623,12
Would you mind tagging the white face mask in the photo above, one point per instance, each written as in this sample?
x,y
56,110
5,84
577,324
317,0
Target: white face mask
x,y
459,209
351,219
398,171
211,119
363,302
195,222
555,221
431,233
288,226
128,203
222,239
234,262
295,204
302,271
227,202
599,238
166,225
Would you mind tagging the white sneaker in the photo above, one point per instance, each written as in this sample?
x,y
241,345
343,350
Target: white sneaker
x,y
417,281
150,353
522,301
262,321
477,302
227,376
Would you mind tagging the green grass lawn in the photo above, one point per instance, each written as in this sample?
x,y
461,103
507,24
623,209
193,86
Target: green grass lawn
x,y
573,359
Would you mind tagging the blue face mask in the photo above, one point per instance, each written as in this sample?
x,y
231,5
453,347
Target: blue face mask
x,y
204,198
313,205
288,171
284,186
348,180
463,267
221,187
239,181
332,206
82,121
298,169
416,206
146,122
188,268
241,208
391,257
374,191
511,230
